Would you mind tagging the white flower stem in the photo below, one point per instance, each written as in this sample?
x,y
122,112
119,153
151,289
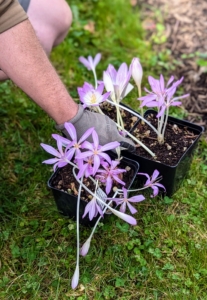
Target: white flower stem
x,y
94,228
138,141
121,215
78,235
165,123
160,124
95,78
135,114
131,191
99,110
140,95
118,114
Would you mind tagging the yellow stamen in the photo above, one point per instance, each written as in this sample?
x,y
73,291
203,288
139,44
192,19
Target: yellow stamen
x,y
93,99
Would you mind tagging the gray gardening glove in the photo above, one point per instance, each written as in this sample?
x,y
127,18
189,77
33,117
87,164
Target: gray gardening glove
x,y
104,126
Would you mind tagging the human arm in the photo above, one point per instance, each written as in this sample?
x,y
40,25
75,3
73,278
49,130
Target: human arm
x,y
23,60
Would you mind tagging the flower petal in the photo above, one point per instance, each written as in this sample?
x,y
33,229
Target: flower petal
x,y
108,184
86,135
85,62
50,150
123,207
155,191
50,161
97,59
155,175
131,208
96,164
137,198
71,130
110,146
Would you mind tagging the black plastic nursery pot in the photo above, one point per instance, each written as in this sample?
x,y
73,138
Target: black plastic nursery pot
x,y
172,176
67,203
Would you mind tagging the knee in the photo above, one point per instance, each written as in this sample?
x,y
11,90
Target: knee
x,y
3,76
66,18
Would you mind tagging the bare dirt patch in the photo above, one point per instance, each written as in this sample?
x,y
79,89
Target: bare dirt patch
x,y
186,35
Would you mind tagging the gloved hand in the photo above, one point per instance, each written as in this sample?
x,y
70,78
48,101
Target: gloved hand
x,y
104,126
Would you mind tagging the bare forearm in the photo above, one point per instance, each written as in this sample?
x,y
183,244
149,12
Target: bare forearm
x,y
24,61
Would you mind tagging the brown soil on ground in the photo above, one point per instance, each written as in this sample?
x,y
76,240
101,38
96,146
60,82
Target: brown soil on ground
x,y
186,34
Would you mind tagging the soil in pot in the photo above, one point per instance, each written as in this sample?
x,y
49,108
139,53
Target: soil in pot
x,y
128,118
65,181
177,140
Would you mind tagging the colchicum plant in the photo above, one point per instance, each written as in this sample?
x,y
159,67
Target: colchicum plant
x,y
90,160
117,85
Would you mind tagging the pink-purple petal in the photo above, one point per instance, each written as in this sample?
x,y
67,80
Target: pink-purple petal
x,y
144,174
62,164
109,182
110,146
95,139
97,59
123,207
131,208
155,175
50,150
137,198
84,155
96,164
86,135
85,62
155,191
71,130
50,161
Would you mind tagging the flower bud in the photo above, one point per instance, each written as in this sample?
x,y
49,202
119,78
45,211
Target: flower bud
x,y
137,71
85,247
75,278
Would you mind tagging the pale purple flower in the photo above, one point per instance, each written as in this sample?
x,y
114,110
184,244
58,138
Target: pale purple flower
x,y
137,71
117,82
90,96
90,63
170,102
125,201
110,174
153,182
96,151
76,144
92,208
61,157
85,167
161,96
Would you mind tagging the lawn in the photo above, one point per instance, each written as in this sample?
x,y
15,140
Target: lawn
x,y
163,257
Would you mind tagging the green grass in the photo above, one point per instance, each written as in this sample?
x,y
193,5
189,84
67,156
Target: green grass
x,y
163,257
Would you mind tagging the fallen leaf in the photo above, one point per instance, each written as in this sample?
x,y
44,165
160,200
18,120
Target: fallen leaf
x,y
90,26
148,24
133,2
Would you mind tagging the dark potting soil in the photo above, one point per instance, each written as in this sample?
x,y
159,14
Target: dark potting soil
x,y
65,181
128,118
177,140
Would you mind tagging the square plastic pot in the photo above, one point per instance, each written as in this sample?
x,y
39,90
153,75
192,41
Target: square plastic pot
x,y
172,176
67,203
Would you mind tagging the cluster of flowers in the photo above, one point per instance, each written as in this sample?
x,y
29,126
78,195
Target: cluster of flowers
x,y
117,85
92,161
